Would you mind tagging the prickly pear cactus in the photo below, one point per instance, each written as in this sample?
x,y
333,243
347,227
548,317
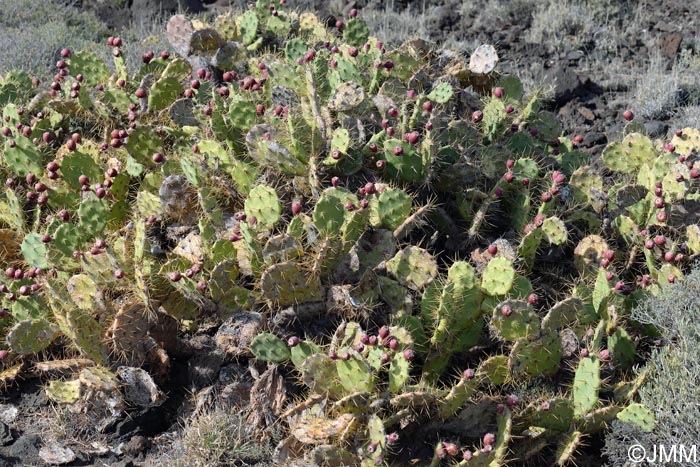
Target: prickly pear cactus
x,y
314,174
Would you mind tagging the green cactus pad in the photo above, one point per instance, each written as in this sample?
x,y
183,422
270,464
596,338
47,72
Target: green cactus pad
x,y
320,374
24,157
34,251
93,216
163,93
688,141
295,49
31,336
302,351
497,278
562,314
64,392
247,27
442,93
85,293
268,347
287,283
556,415
406,167
538,357
493,370
93,69
586,385
622,347
329,213
143,143
640,415
523,322
398,373
628,155
413,267
555,230
390,209
355,375
568,445
86,334
76,164
692,234
262,202
356,32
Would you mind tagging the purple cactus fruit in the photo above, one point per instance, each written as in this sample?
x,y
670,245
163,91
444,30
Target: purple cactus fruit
x,y
393,344
604,355
469,374
293,341
506,310
498,93
412,137
489,439
451,449
441,452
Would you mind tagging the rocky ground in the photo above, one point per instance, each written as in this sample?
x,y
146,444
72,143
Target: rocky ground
x,y
594,75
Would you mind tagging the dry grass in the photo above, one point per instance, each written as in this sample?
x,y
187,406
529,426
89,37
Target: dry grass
x,y
216,437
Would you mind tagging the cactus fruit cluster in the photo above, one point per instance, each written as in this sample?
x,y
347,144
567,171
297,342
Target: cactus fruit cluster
x,y
277,163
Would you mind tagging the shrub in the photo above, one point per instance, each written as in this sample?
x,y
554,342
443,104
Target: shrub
x,y
32,33
672,372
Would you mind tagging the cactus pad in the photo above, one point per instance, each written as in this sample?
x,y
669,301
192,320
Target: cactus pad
x,y
31,336
263,204
268,347
586,385
630,154
640,415
413,267
497,278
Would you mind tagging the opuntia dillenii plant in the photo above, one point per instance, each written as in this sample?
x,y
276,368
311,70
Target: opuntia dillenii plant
x,y
315,168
